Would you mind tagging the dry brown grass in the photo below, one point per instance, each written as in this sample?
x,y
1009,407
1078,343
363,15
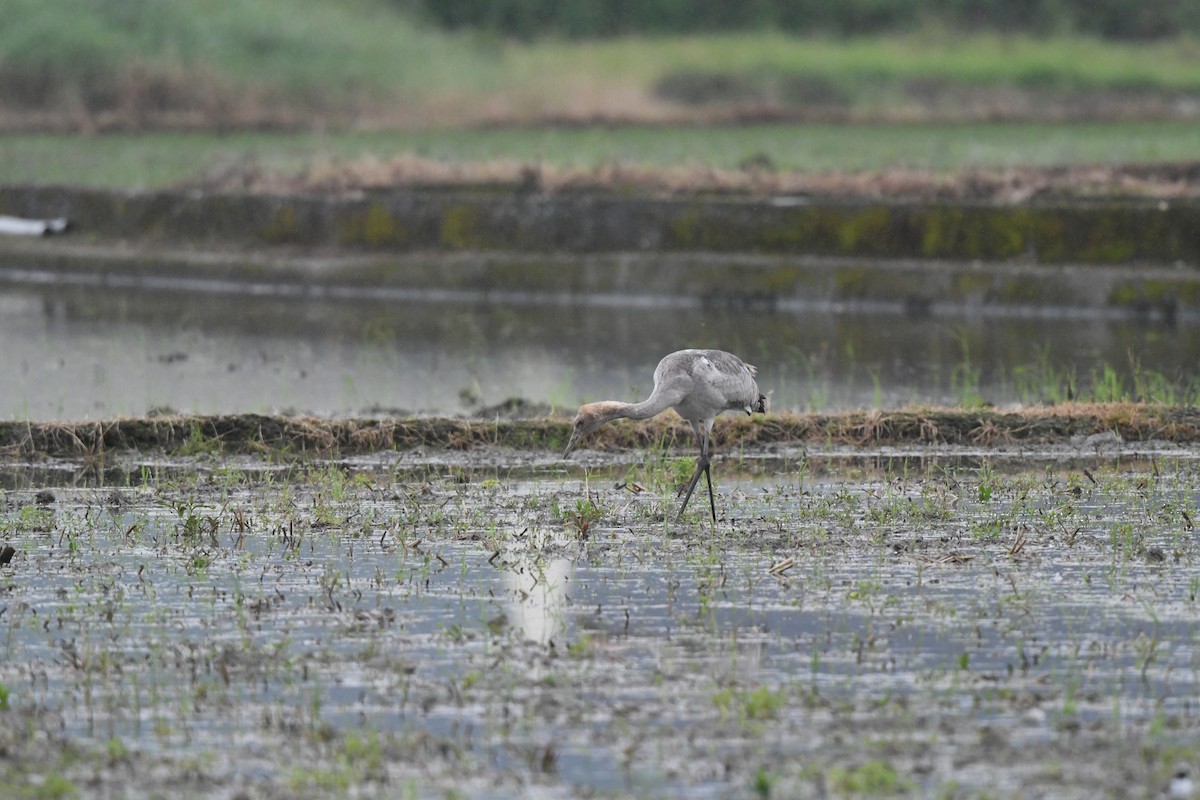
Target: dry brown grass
x,y
989,433
1002,185
874,426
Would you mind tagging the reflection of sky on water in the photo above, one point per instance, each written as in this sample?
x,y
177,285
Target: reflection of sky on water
x,y
76,353
537,594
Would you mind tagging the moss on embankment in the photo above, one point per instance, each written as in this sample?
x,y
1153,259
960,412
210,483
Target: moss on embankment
x,y
1111,231
1117,257
315,437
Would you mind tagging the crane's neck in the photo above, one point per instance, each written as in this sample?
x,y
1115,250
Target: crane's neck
x,y
615,409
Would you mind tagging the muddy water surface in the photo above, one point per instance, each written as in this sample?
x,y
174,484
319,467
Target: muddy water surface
x,y
948,626
97,353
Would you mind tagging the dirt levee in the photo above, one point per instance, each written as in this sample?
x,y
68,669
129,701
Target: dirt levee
x,y
301,436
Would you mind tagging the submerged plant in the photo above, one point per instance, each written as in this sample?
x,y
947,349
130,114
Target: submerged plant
x,y
756,704
197,443
870,778
581,516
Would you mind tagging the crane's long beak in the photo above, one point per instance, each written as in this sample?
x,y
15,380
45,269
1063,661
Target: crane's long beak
x,y
576,438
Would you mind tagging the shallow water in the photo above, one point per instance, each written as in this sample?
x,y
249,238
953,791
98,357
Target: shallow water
x,y
937,628
74,353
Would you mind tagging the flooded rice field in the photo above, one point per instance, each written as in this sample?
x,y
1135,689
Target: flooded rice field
x,y
935,623
96,353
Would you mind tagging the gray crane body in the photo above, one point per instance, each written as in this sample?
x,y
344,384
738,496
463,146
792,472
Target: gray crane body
x,y
699,385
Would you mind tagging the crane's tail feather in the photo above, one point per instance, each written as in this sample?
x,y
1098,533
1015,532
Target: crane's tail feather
x,y
760,405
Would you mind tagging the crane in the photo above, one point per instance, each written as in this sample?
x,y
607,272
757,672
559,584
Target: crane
x,y
699,385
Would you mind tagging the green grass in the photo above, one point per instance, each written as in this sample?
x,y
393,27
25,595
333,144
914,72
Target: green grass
x,y
366,60
327,48
983,59
163,159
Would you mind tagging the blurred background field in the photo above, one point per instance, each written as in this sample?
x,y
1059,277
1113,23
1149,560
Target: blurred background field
x,y
773,85
213,63
674,155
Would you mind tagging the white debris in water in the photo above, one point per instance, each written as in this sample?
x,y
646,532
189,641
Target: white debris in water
x,y
1181,785
19,226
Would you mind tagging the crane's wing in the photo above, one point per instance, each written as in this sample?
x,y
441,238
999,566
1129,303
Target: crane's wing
x,y
731,379
700,384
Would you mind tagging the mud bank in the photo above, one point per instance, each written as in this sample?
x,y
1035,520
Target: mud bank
x,y
1113,257
1082,425
1108,231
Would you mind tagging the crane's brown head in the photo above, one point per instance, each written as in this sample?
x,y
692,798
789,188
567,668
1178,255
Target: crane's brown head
x,y
590,417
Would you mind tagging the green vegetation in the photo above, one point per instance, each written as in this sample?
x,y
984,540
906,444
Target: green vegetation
x,y
132,64
761,703
584,18
144,55
864,64
581,518
159,160
872,779
199,444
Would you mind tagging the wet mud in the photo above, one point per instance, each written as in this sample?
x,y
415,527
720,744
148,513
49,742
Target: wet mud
x,y
1082,425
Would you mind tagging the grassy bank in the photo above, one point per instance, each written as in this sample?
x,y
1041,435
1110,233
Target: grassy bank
x,y
868,73
215,62
670,155
1107,424
219,64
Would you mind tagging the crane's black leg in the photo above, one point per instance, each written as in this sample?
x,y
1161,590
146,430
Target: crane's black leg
x,y
712,503
702,466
